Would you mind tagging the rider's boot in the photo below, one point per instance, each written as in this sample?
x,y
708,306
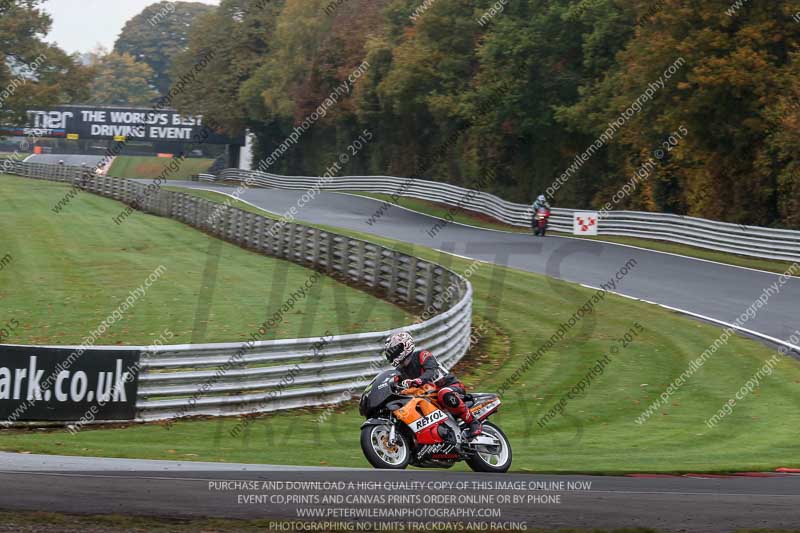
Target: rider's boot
x,y
475,428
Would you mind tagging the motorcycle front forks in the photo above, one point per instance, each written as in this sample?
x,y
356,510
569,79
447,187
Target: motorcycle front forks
x,y
392,432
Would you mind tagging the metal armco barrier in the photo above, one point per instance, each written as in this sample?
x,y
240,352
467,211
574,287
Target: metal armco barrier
x,y
262,376
720,236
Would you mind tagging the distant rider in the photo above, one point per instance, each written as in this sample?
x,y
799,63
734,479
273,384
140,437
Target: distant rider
x,y
420,367
540,203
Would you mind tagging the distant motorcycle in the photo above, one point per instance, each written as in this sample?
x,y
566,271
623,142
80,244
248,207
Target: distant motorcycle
x,y
540,220
408,427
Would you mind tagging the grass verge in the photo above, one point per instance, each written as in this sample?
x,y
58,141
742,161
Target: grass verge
x,y
597,431
484,221
440,210
68,271
147,167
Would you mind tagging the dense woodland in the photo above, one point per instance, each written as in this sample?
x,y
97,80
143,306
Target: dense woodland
x,y
526,93
460,89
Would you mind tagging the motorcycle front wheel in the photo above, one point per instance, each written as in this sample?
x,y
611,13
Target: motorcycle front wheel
x,y
496,462
380,453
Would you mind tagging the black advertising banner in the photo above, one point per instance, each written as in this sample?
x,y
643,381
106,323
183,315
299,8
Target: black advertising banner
x,y
118,124
54,384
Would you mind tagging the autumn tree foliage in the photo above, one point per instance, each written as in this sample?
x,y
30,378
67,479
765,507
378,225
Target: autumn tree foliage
x,y
522,93
118,79
33,73
736,97
158,34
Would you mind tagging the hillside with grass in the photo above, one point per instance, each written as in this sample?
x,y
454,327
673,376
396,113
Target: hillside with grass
x,y
597,430
146,167
70,270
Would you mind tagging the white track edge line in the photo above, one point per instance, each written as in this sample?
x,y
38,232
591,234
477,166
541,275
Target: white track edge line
x,y
684,256
704,317
562,236
665,306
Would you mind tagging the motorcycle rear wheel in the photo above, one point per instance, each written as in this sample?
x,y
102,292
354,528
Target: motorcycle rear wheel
x,y
374,444
493,463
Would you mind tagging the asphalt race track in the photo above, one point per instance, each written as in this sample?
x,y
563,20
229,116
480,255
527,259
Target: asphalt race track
x,y
75,160
711,290
184,490
668,503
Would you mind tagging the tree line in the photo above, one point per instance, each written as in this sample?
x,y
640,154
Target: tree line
x,y
676,106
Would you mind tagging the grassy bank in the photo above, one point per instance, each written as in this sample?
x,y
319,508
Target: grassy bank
x,y
68,271
440,210
483,221
127,166
597,433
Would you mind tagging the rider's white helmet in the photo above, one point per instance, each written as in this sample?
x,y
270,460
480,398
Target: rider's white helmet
x,y
398,347
541,198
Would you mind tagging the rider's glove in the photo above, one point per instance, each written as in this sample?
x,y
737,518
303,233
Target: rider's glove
x,y
408,383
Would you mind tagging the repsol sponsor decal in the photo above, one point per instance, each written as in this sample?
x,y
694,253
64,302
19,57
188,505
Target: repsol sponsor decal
x,y
50,384
427,421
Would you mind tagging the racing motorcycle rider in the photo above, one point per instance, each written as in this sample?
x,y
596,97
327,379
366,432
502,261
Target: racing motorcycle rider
x,y
541,202
418,367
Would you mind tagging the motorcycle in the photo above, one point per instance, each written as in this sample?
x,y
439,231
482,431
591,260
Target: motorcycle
x,y
408,427
540,220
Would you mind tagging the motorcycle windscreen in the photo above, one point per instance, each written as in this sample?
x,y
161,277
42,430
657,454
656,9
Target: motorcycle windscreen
x,y
377,392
